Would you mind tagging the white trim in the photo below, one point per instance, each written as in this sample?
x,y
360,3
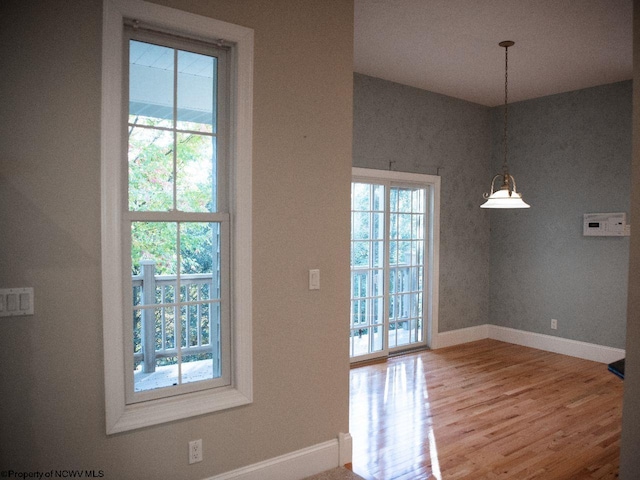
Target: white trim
x,y
110,181
549,343
295,465
119,416
345,443
565,346
392,175
460,336
434,259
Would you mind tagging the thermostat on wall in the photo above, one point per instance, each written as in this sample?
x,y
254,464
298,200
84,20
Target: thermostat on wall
x,y
605,225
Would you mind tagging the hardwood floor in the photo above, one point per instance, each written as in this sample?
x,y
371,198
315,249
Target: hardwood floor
x,y
485,410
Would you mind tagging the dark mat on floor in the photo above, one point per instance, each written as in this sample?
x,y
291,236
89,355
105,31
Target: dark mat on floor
x,y
617,368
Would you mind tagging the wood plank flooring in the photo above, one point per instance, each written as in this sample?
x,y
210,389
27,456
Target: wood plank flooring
x,y
485,410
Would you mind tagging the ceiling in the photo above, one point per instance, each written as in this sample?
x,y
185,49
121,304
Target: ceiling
x,y
451,46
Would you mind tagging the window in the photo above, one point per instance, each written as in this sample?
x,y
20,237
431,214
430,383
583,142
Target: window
x,y
394,261
176,232
177,214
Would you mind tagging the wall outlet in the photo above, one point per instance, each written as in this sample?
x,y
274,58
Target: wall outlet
x,y
554,324
195,451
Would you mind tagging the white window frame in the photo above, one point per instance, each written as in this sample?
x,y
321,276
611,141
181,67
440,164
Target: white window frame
x,y
119,415
432,250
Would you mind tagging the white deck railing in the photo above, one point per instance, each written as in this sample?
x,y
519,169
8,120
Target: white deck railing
x,y
162,332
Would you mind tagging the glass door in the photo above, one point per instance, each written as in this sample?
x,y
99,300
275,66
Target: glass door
x,y
368,253
388,234
406,266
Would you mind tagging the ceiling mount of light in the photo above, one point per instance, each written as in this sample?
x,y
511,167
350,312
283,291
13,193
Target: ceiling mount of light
x,y
507,196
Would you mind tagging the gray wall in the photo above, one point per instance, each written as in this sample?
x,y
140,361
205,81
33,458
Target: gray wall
x,y
52,408
423,132
570,154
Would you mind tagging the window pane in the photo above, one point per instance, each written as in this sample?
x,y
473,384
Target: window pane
x,y
393,200
169,326
195,171
358,284
201,345
162,371
419,200
200,281
360,254
393,226
378,226
355,313
392,334
168,350
200,255
376,341
196,368
404,226
377,285
360,197
417,252
393,253
404,253
137,337
361,225
378,198
197,86
360,341
403,333
404,200
366,340
150,169
155,245
378,254
418,226
151,70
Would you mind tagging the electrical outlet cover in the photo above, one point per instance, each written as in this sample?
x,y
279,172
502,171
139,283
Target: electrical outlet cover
x,y
195,451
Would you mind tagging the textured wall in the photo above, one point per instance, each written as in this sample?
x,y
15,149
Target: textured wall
x,y
52,412
570,154
424,132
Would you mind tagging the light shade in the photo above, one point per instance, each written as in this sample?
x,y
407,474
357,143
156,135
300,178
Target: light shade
x,y
505,199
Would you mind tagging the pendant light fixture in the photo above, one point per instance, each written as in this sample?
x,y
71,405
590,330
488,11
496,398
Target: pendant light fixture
x,y
506,196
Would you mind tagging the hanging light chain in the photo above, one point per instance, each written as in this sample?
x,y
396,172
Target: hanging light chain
x,y
505,168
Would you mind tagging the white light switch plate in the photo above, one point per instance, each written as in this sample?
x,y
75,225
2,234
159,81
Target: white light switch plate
x,y
15,302
314,279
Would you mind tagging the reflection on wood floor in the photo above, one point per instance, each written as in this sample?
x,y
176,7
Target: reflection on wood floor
x,y
485,410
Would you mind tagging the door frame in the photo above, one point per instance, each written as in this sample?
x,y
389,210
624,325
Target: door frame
x,y
432,253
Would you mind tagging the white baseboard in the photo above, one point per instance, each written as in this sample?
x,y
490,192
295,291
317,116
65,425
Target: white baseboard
x,y
463,335
345,444
296,465
565,346
549,343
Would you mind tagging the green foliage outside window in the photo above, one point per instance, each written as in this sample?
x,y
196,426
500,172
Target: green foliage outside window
x,y
151,188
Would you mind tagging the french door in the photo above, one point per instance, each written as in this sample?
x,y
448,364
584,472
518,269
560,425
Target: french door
x,y
392,261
